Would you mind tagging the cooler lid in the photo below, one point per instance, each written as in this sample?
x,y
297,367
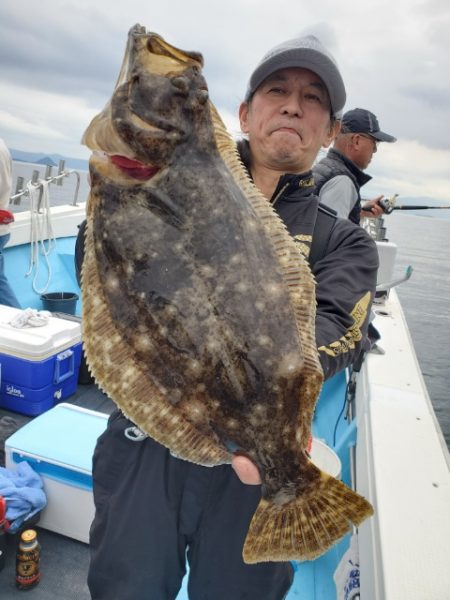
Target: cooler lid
x,y
36,343
65,435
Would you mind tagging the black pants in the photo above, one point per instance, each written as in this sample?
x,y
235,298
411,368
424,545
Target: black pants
x,y
153,510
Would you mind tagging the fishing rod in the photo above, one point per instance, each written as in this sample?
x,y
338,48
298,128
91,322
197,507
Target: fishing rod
x,y
389,204
412,207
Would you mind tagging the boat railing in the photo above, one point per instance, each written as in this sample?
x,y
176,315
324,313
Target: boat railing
x,y
387,252
375,228
36,183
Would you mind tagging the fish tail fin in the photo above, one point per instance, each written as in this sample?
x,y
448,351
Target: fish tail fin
x,y
307,526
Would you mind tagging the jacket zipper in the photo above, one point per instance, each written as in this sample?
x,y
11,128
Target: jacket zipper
x,y
277,197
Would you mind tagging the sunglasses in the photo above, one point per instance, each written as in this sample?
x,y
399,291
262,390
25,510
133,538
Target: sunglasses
x,y
372,139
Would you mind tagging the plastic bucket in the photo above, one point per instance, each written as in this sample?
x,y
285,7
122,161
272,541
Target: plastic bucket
x,y
325,458
65,302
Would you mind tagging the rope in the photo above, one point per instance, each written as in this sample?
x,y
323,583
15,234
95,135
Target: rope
x,y
42,239
135,434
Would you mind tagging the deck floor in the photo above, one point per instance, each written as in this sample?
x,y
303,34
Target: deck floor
x,y
64,561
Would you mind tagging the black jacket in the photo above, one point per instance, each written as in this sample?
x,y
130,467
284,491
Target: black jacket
x,y
344,263
334,164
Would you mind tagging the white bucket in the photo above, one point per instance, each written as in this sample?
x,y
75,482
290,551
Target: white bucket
x,y
325,458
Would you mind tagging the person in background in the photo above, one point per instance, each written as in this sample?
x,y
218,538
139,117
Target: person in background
x,y
340,175
7,296
155,512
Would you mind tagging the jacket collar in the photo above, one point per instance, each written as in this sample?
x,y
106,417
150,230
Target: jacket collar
x,y
288,183
361,177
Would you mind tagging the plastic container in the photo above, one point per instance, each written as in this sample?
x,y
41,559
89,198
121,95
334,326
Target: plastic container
x,y
59,445
65,302
325,458
39,365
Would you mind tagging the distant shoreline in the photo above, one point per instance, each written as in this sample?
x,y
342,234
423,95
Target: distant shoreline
x,y
39,158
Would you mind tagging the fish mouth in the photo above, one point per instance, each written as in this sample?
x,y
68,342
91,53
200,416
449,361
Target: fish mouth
x,y
157,46
138,127
134,168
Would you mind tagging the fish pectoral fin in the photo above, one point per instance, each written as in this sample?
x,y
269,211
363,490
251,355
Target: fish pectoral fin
x,y
307,526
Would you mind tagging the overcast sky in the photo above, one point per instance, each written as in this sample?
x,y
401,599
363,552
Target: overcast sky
x,y
59,60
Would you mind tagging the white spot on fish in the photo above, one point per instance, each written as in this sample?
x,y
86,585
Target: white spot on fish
x,y
241,287
194,410
112,283
274,289
264,340
207,271
142,342
290,364
194,366
213,345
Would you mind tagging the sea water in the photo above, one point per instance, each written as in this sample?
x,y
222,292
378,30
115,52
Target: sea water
x,y
423,242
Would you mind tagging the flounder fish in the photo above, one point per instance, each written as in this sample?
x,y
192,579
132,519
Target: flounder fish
x,y
198,308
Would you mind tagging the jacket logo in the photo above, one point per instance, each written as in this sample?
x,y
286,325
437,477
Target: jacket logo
x,y
306,183
353,333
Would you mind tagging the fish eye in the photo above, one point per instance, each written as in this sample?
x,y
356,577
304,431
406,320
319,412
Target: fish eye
x,y
202,95
181,83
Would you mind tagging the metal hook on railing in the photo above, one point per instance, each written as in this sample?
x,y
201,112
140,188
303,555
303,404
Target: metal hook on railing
x,y
382,287
23,190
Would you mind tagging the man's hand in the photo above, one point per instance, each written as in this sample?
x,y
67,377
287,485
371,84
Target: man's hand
x,y
372,208
246,470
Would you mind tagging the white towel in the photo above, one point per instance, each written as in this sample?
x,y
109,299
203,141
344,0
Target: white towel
x,y
30,317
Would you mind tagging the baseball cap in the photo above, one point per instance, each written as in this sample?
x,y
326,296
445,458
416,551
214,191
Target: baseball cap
x,y
306,52
360,120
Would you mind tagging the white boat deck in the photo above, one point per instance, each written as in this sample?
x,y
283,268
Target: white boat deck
x,y
403,467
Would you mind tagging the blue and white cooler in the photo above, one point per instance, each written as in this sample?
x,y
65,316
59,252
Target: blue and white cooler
x,y
39,365
59,445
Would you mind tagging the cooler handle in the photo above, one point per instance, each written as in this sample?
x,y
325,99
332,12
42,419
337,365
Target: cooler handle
x,y
60,358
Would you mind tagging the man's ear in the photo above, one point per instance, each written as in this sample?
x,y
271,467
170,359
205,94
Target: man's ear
x,y
333,130
243,116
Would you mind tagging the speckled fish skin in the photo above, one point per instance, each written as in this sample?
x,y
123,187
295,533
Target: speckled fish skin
x,y
198,308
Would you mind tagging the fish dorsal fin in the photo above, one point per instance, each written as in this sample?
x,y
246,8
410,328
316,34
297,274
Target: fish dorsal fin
x,y
294,267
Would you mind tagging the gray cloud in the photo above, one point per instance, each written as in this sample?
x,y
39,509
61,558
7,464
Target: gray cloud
x,y
394,57
70,54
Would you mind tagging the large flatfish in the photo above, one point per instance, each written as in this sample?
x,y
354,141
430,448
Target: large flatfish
x,y
198,308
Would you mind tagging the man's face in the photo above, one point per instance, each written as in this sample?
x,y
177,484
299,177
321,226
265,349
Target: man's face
x,y
288,120
366,146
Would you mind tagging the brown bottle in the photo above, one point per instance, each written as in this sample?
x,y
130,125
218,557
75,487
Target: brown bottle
x,y
27,561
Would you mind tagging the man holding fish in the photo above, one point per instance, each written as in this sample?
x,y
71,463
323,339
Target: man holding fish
x,y
153,509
